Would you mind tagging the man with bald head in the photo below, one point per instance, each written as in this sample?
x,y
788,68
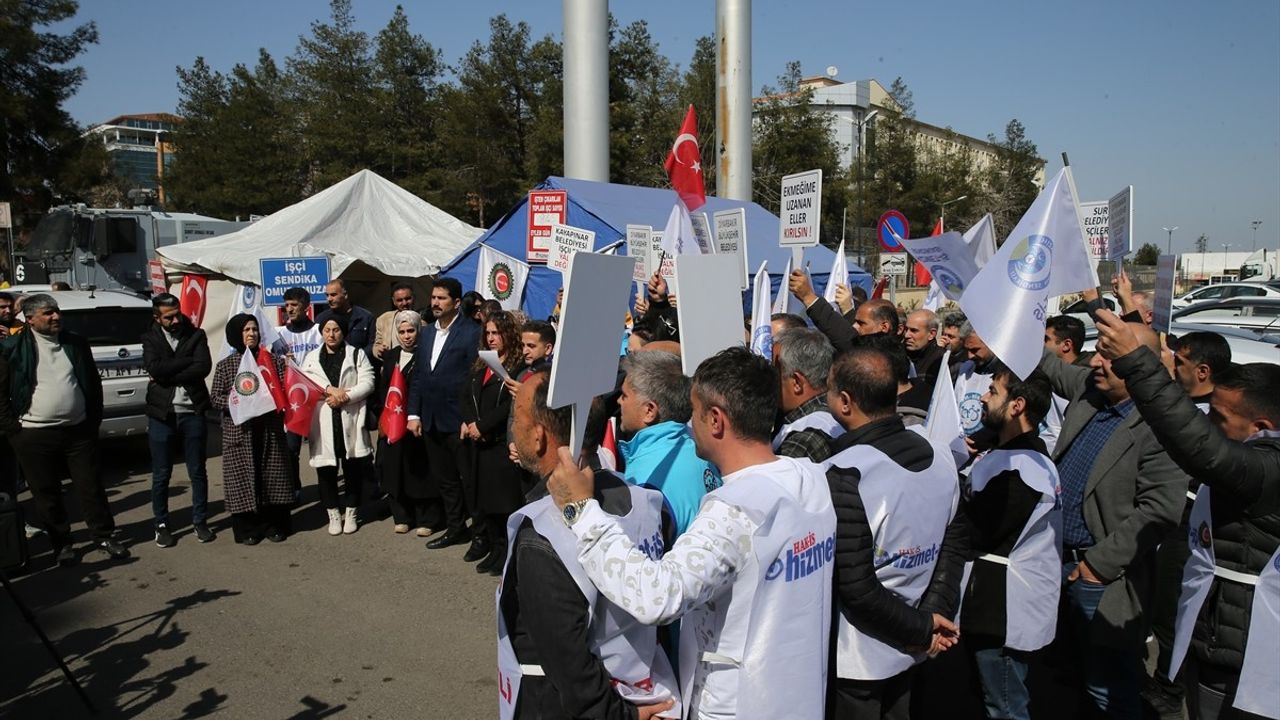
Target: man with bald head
x,y
920,337
1120,495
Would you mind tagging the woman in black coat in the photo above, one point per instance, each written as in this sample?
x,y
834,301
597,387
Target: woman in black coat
x,y
402,466
485,405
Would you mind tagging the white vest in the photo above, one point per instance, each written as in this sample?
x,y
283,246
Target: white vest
x,y
1258,691
300,344
820,420
628,649
760,647
1033,581
970,387
908,513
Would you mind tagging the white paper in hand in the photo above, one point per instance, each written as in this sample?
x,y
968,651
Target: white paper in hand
x,y
490,358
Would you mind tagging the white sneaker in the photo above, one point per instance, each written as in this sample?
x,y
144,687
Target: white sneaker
x,y
349,522
335,522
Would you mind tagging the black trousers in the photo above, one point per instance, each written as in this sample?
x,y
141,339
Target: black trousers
x,y
858,699
354,472
46,454
443,449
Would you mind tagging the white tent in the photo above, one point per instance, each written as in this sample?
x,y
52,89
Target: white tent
x,y
365,219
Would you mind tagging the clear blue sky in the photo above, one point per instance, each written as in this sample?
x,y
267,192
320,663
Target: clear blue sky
x,y
1181,99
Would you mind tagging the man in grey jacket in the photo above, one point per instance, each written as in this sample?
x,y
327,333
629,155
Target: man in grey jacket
x,y
1120,495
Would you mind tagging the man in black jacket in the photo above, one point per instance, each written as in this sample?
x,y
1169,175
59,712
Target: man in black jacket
x,y
546,617
56,400
895,496
1235,454
175,355
1011,599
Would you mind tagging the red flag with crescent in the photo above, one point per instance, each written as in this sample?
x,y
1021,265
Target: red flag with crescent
x,y
922,273
880,288
267,368
684,164
192,299
393,422
302,396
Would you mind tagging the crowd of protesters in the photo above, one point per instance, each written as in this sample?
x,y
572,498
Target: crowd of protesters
x,y
773,537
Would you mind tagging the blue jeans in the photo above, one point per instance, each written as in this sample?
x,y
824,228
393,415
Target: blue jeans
x,y
1003,674
161,434
1112,675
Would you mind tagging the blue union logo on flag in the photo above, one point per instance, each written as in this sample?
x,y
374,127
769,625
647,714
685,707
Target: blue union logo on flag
x,y
1029,267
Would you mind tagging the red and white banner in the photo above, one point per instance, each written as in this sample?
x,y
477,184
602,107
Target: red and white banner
x,y
194,297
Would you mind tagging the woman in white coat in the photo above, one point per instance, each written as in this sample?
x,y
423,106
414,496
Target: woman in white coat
x,y
338,434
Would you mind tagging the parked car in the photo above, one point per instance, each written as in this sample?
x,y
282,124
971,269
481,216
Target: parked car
x,y
1246,345
1224,291
113,322
1252,313
1077,308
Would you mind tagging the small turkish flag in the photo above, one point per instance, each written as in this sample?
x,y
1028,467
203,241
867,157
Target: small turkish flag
x,y
267,368
684,164
922,273
303,396
192,298
393,422
610,458
880,286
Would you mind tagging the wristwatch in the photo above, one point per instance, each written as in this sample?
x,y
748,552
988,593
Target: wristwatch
x,y
572,511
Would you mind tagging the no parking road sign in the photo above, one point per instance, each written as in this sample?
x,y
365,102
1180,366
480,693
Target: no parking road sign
x,y
890,223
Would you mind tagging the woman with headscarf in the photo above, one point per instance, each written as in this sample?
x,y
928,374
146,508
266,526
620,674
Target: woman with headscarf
x,y
255,467
485,405
402,466
338,434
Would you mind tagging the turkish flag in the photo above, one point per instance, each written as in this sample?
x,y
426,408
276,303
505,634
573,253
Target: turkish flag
x,y
393,422
192,298
684,164
303,397
922,273
267,368
880,286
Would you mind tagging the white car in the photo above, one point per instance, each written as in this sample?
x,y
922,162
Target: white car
x,y
1260,314
113,322
1247,346
1078,309
1224,291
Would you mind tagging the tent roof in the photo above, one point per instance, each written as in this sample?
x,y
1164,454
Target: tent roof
x,y
363,218
607,209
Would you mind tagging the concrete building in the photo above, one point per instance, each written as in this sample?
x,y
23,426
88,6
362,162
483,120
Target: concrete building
x,y
138,146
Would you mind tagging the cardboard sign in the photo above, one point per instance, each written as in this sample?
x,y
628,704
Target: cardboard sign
x,y
639,247
665,263
893,264
585,364
801,209
731,238
711,299
1162,304
547,208
155,273
1120,224
565,243
280,274
702,233
1094,220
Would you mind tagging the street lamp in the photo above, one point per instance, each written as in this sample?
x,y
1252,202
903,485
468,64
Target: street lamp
x,y
942,210
1255,225
859,139
1170,231
1224,258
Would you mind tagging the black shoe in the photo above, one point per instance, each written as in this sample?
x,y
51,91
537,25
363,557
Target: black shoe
x,y
163,538
114,548
251,541
496,570
495,559
276,537
66,556
449,539
479,549
204,534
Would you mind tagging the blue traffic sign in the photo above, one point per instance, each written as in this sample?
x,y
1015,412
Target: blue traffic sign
x,y
891,223
280,274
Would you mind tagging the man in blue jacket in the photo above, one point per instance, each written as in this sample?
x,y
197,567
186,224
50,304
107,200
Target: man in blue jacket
x,y
443,359
656,446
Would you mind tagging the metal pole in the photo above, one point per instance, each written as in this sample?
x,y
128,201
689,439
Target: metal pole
x,y
586,89
733,99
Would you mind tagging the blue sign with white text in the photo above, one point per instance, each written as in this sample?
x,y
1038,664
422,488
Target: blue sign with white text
x,y
280,274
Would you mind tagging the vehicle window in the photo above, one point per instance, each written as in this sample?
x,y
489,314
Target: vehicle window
x,y
1075,307
1110,305
1208,293
1267,311
108,326
1248,292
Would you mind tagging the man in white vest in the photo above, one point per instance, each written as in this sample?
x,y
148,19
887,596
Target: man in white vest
x,y
750,579
973,377
895,494
1229,609
803,359
1010,607
565,651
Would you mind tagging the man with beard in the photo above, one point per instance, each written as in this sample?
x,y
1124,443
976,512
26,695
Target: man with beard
x,y
555,658
1010,606
360,330
9,324
385,335
973,377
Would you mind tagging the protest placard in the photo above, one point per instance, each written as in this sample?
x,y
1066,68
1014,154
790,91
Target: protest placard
x,y
567,241
711,294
